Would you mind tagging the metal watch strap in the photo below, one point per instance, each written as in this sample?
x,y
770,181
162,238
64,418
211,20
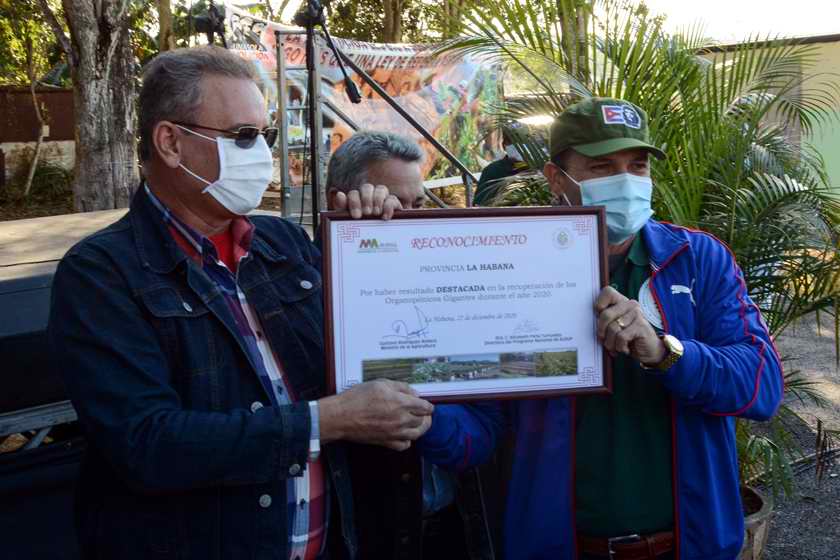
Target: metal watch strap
x,y
668,361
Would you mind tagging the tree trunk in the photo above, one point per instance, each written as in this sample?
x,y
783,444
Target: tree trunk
x,y
574,19
397,37
102,69
33,165
269,10
454,24
166,37
582,43
30,71
103,86
392,29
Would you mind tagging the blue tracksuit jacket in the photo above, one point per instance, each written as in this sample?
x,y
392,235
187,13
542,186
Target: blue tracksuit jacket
x,y
730,369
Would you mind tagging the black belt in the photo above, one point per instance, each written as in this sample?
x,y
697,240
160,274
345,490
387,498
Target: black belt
x,y
629,547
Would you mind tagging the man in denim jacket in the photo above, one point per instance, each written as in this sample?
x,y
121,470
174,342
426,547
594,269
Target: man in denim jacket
x,y
191,344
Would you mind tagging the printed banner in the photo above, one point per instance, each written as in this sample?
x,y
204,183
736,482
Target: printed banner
x,y
446,94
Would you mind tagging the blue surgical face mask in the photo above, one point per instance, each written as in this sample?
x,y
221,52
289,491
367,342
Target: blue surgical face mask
x,y
627,200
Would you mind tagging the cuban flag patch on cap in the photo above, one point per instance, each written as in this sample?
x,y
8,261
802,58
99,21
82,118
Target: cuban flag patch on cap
x,y
621,114
613,114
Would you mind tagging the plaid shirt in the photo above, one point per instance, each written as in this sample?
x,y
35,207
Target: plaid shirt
x,y
306,494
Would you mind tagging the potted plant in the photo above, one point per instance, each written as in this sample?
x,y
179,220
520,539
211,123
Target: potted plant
x,y
731,120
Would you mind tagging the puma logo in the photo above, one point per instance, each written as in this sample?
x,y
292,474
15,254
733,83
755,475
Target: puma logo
x,y
680,289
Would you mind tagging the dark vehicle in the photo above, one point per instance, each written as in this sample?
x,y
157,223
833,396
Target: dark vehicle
x,y
40,442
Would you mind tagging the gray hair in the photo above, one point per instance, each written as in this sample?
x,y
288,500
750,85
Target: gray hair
x,y
349,164
172,90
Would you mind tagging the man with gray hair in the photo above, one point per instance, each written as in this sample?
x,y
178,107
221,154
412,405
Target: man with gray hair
x,y
191,341
405,507
377,158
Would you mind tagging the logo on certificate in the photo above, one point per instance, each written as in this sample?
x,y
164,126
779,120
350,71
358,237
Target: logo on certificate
x,y
561,238
377,246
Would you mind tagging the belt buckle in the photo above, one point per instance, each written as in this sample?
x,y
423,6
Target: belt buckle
x,y
621,540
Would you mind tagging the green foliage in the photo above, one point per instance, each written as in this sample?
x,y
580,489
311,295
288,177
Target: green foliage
x,y
731,122
50,183
21,21
363,20
423,22
556,363
144,31
145,25
521,190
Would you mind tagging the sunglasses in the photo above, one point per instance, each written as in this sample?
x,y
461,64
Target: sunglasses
x,y
244,136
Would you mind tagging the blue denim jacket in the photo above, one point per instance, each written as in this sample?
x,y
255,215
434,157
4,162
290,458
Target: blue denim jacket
x,y
187,458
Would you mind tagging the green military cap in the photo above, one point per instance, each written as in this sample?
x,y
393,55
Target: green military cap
x,y
598,126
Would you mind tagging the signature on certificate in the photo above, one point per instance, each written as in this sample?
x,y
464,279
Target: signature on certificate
x,y
400,329
526,327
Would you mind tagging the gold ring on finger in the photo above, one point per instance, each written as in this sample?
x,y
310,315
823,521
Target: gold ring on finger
x,y
621,324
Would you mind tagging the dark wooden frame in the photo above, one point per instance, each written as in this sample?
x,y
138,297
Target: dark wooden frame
x,y
327,218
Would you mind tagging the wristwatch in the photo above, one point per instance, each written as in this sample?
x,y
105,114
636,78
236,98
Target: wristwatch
x,y
675,352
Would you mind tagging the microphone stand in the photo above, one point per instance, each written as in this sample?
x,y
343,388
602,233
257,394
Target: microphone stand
x,y
310,16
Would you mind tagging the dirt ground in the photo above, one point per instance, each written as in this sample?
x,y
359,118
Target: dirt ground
x,y
806,526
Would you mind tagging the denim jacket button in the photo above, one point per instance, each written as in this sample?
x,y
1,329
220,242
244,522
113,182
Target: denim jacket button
x,y
256,405
306,284
265,501
294,469
188,307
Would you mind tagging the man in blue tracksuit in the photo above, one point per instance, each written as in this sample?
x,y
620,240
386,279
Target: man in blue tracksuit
x,y
650,471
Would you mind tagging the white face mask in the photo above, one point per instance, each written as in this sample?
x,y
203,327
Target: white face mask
x,y
244,173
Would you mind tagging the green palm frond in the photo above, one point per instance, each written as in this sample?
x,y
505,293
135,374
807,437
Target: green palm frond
x,y
522,190
767,456
804,390
552,79
532,145
733,122
527,106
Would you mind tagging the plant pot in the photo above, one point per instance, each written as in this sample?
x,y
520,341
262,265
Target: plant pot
x,y
758,511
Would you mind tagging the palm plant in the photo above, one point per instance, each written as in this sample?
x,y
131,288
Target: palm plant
x,y
731,121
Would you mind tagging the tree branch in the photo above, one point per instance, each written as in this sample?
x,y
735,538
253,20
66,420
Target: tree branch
x,y
281,9
30,72
270,11
166,39
60,36
119,15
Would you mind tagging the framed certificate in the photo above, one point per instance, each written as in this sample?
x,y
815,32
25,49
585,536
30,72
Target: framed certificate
x,y
467,304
